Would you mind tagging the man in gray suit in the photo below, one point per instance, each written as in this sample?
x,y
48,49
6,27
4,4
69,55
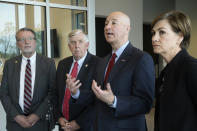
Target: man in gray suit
x,y
27,86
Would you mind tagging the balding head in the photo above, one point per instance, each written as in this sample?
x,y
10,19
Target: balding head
x,y
122,16
117,27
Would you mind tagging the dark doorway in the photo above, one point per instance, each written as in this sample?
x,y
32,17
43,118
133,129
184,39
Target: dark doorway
x,y
102,47
147,46
147,42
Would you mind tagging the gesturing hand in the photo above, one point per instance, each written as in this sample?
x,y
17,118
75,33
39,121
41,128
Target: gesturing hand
x,y
106,96
72,84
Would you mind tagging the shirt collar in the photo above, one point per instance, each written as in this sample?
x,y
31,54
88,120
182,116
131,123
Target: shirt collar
x,y
80,61
120,50
32,58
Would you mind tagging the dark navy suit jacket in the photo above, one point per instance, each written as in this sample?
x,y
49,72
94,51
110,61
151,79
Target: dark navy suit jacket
x,y
132,80
85,75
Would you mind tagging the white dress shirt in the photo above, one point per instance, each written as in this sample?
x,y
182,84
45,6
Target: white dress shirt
x,y
22,77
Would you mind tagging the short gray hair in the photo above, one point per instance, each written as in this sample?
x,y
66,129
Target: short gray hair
x,y
76,32
25,29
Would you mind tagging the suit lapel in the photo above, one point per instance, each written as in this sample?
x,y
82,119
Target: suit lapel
x,y
84,68
102,68
120,63
38,64
17,66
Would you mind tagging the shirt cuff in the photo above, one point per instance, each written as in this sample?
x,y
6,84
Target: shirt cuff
x,y
76,96
115,102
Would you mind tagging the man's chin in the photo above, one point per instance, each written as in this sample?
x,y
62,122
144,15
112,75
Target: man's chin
x,y
109,40
28,53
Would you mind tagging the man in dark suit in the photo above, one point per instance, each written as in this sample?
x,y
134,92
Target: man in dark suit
x,y
27,85
79,85
124,89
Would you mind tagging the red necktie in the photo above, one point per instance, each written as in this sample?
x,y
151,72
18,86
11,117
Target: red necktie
x,y
110,65
27,88
67,93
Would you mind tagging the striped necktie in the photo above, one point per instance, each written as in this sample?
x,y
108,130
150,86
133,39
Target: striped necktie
x,y
27,88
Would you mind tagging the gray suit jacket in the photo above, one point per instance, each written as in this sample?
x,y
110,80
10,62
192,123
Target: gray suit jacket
x,y
10,89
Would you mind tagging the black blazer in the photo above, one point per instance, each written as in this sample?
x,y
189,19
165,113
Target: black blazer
x,y
10,88
85,75
176,95
132,81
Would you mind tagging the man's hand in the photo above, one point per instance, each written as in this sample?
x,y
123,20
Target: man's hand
x,y
72,126
72,84
63,122
106,96
22,121
32,119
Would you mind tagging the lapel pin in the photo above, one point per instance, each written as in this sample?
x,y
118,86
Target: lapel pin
x,y
123,60
86,65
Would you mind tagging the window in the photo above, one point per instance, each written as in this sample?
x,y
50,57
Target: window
x,y
71,2
52,20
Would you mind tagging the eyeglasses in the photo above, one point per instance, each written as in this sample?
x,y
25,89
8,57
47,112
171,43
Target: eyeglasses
x,y
24,39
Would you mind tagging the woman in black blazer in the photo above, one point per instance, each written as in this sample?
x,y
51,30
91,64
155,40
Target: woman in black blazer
x,y
176,87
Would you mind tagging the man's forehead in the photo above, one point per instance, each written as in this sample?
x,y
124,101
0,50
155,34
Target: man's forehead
x,y
112,19
118,17
25,32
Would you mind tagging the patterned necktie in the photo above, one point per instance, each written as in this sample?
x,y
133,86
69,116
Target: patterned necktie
x,y
110,65
67,93
27,88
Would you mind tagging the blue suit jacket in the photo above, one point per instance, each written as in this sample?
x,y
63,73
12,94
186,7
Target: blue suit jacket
x,y
132,80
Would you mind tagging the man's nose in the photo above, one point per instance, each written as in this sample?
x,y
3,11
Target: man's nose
x,y
77,44
107,26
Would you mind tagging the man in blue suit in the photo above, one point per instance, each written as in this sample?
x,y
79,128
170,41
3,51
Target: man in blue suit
x,y
125,91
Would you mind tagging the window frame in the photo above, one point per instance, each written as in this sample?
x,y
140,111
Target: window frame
x,y
90,22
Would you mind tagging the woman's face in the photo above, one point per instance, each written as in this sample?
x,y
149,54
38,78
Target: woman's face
x,y
164,39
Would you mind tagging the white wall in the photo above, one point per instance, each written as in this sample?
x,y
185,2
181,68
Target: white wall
x,y
2,119
152,8
189,7
133,8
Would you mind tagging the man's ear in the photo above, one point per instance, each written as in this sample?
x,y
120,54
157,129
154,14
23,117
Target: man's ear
x,y
17,44
68,45
128,28
87,44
